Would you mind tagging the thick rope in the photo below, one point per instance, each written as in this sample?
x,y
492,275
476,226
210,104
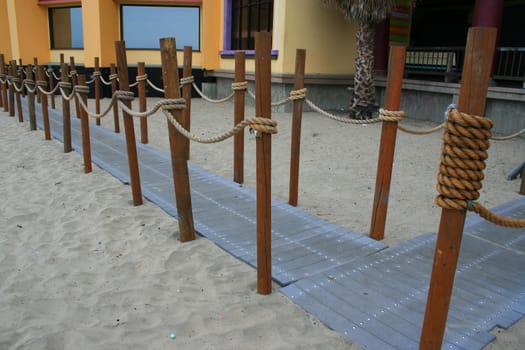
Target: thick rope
x,y
464,151
240,86
206,98
186,81
166,104
338,118
260,125
119,95
154,87
508,137
104,81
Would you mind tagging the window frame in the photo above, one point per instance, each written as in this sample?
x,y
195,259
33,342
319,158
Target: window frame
x,y
52,28
194,4
227,51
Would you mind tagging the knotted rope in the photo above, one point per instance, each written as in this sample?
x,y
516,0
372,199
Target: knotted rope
x,y
186,80
465,144
240,86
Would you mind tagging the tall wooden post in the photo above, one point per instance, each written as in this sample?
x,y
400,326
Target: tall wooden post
x,y
129,128
2,76
114,87
3,87
31,98
44,104
239,106
84,123
472,98
74,82
66,110
18,98
51,82
263,109
35,73
141,70
186,94
300,58
11,103
179,163
396,65
522,187
97,88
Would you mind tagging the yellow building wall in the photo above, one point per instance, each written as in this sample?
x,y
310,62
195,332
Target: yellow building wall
x,y
329,40
5,37
26,28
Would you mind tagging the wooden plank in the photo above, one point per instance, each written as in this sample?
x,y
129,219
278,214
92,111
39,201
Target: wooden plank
x,y
238,116
31,99
74,82
44,104
387,145
297,116
11,91
97,89
66,111
186,94
129,128
114,87
263,109
170,76
3,87
472,99
17,93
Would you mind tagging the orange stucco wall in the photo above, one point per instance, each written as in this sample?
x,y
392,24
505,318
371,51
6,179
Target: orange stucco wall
x,y
5,38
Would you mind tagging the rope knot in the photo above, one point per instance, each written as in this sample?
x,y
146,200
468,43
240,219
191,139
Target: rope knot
x,y
240,86
81,89
29,82
64,84
73,73
41,83
262,125
113,76
186,80
96,73
172,103
391,116
464,151
125,95
298,94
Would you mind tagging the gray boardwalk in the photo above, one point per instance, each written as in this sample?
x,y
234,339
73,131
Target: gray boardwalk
x,y
372,294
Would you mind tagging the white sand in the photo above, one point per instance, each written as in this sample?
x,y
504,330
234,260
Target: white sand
x,y
81,268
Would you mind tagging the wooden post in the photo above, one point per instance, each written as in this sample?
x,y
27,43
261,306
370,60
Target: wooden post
x,y
35,72
300,58
129,128
141,70
472,98
2,75
11,103
51,82
97,88
4,86
186,94
66,110
17,94
239,101
74,82
263,109
179,163
84,124
396,65
114,87
31,99
522,187
44,104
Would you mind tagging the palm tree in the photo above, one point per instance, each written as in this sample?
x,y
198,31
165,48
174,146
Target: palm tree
x,y
366,13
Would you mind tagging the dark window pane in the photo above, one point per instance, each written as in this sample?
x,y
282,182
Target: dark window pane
x,y
66,28
249,17
143,26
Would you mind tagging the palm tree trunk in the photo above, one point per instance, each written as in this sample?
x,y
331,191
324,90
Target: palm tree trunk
x,y
364,90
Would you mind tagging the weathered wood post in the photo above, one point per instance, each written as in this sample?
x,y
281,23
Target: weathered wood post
x,y
179,163
3,86
472,98
239,109
44,103
522,187
30,83
35,73
2,77
186,94
401,18
84,126
297,116
74,82
96,82
114,87
66,109
263,109
11,103
143,104
51,82
129,128
18,83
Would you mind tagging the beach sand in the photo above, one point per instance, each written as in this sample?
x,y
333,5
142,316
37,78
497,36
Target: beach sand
x,y
82,268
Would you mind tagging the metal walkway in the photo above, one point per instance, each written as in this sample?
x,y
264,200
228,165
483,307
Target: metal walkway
x,y
373,295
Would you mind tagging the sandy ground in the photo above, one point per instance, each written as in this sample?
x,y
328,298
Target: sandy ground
x,y
81,268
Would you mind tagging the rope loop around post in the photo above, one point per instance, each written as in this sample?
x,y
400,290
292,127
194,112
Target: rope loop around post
x,y
298,94
391,116
240,86
186,80
142,77
464,151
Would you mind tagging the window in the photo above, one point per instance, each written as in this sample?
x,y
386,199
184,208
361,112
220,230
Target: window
x,y
143,26
65,25
248,17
